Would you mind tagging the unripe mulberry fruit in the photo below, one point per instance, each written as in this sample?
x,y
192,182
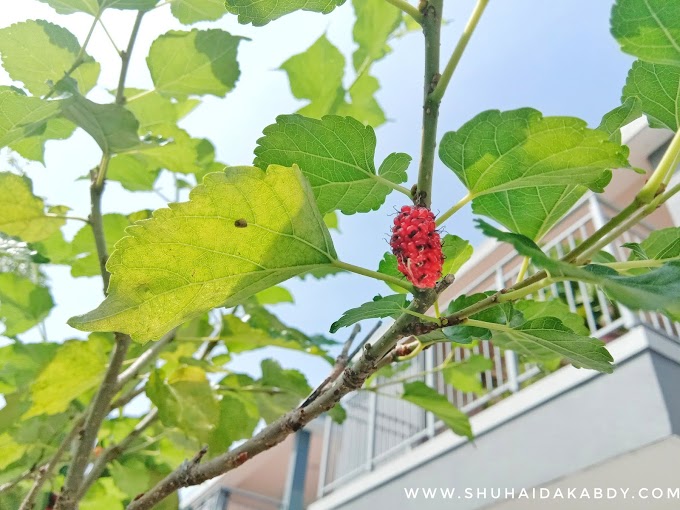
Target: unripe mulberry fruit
x,y
417,245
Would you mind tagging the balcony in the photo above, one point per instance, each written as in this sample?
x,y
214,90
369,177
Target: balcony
x,y
380,428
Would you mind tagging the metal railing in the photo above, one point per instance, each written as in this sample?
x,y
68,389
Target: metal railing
x,y
380,426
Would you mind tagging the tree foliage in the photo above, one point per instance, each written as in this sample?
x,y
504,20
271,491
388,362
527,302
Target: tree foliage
x,y
193,284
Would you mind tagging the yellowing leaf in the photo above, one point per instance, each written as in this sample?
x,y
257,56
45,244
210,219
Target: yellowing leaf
x,y
22,214
23,304
193,257
76,368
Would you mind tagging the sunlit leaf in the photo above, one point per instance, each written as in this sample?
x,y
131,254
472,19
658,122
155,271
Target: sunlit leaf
x,y
23,304
525,170
456,252
503,314
387,306
21,363
77,367
320,59
103,495
72,6
376,20
613,121
656,87
38,54
22,214
553,308
274,295
420,394
33,147
192,11
23,116
192,257
389,266
238,417
648,29
661,244
364,106
134,172
262,12
194,63
336,154
179,153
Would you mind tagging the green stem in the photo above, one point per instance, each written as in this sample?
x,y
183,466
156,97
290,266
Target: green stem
x,y
372,274
407,8
106,31
125,58
438,93
666,166
453,210
523,269
424,317
529,289
635,264
394,186
432,21
487,325
80,57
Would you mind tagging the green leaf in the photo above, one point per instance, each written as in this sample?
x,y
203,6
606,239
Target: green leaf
x,y
178,153
331,220
21,363
23,116
336,154
274,295
10,450
76,368
503,314
464,375
525,170
661,244
154,111
553,308
648,29
657,290
364,106
541,339
133,171
389,266
103,495
656,86
22,214
38,53
238,418
23,304
73,6
33,147
110,125
387,306
274,376
194,63
262,12
613,121
131,475
84,249
456,252
189,12
135,5
262,329
376,21
192,257
185,400
420,394
304,69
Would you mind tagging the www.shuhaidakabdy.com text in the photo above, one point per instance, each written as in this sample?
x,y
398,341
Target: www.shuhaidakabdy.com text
x,y
544,493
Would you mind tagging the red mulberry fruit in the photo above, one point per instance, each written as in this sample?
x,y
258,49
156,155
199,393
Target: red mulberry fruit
x,y
417,245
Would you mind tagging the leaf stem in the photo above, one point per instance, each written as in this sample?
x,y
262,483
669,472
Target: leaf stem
x,y
408,9
424,317
453,210
665,167
635,264
438,93
106,31
372,274
523,269
432,21
488,325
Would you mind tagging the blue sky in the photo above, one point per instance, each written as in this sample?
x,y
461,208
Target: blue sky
x,y
555,56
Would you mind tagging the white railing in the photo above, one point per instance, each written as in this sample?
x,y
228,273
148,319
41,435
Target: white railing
x,y
380,426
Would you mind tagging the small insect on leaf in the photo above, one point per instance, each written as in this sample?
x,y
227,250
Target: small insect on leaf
x,y
241,223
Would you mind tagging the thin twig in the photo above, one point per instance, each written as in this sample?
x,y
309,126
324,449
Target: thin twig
x,y
114,451
147,356
340,365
